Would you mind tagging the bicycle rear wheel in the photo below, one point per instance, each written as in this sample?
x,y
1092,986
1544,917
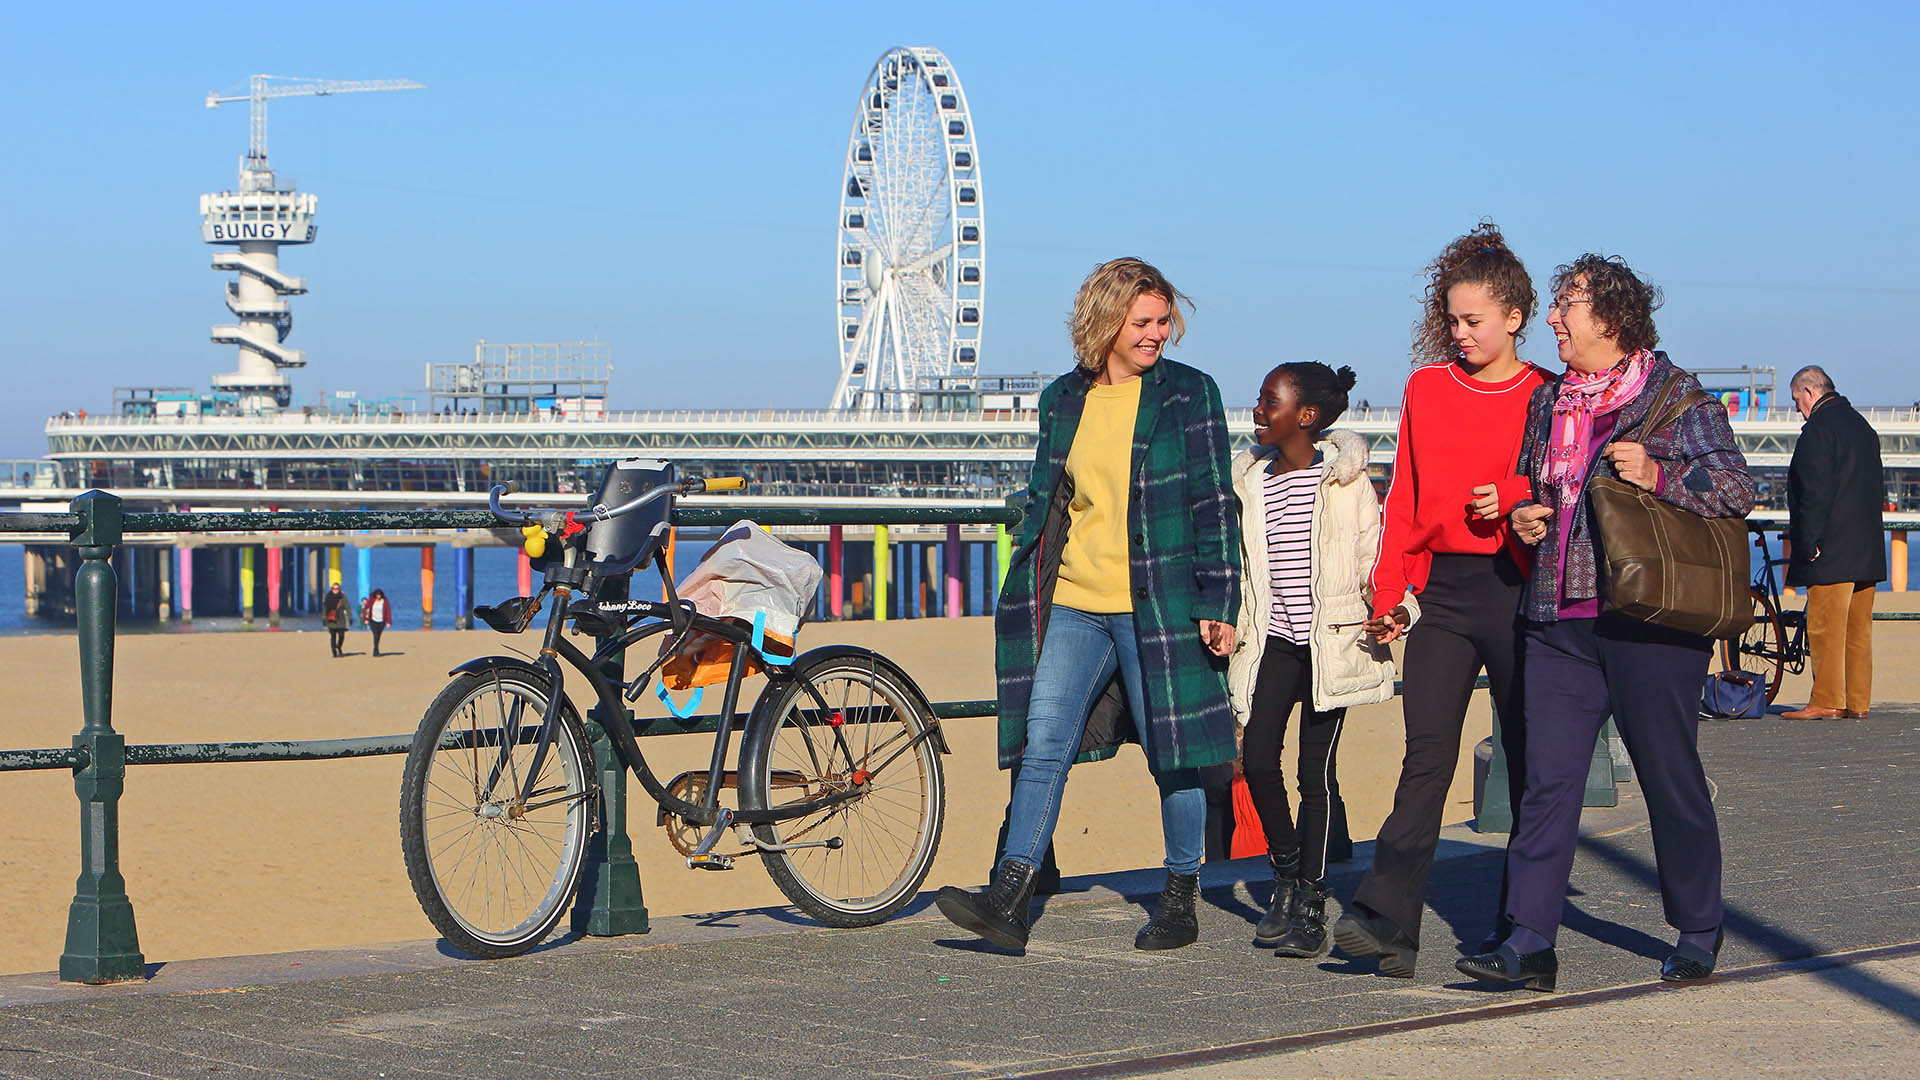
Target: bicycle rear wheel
x,y
847,723
493,870
1762,649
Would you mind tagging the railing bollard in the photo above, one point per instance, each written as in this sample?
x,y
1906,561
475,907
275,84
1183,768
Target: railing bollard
x,y
609,901
102,944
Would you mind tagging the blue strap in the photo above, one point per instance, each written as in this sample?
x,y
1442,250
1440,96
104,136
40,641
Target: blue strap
x,y
760,642
660,691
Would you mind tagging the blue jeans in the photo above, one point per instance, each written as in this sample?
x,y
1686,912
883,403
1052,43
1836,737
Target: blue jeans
x,y
1079,656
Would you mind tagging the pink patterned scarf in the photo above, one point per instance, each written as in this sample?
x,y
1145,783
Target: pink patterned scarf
x,y
1583,397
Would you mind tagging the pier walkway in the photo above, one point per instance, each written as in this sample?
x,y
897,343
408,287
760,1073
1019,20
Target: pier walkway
x,y
1820,974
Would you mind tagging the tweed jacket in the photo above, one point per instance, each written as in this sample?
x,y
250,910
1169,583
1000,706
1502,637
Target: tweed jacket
x,y
1701,469
1183,566
1348,669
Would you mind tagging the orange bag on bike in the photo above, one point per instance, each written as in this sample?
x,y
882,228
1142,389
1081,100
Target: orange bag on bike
x,y
705,659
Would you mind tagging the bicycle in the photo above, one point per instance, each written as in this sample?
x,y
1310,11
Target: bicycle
x,y
840,786
1777,639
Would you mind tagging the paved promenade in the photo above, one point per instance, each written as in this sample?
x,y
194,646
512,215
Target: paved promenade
x,y
1821,838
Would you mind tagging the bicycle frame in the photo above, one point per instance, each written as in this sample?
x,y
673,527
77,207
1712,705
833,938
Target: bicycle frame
x,y
680,619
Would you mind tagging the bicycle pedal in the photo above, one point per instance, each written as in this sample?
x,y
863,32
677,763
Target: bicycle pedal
x,y
712,860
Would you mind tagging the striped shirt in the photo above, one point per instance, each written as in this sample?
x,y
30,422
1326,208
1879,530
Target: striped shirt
x,y
1289,505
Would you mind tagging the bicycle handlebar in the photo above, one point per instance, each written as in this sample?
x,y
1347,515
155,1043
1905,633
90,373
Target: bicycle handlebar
x,y
601,512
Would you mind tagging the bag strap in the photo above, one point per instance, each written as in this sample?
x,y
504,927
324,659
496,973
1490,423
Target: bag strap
x,y
1668,408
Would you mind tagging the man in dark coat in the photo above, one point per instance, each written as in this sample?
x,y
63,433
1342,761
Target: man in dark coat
x,y
1835,493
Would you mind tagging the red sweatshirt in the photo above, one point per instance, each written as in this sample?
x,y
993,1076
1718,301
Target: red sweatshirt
x,y
1455,435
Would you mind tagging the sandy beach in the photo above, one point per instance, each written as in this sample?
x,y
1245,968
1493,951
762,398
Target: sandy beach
x,y
266,857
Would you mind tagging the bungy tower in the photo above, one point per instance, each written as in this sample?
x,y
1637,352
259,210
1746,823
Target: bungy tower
x,y
256,221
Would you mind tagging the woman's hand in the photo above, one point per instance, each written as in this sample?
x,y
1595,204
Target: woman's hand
x,y
1216,636
1530,522
1387,628
1485,503
1631,463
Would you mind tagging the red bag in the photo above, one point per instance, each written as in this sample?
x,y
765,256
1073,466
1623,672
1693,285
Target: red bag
x,y
1248,837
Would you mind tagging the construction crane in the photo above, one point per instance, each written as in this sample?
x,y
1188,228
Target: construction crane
x,y
254,174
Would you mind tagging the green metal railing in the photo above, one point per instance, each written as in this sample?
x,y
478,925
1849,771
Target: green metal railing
x,y
102,944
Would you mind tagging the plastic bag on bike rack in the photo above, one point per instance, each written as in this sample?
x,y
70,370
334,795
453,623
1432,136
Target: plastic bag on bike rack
x,y
751,577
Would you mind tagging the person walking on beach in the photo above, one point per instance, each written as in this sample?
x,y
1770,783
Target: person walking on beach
x,y
1835,491
1126,576
1583,663
377,614
1309,530
1449,572
335,615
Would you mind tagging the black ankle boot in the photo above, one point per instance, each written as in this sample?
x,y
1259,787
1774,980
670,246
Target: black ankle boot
x,y
1307,927
997,912
1274,925
1173,924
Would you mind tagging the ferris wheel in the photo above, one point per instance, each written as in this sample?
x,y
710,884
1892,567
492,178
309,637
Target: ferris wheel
x,y
910,277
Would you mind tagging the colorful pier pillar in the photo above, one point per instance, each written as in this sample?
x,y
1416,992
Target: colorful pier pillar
x,y
274,557
836,569
954,607
333,566
246,584
1002,555
462,588
426,587
525,576
363,572
184,574
880,569
1897,564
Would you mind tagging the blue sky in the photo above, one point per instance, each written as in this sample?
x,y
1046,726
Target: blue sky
x,y
665,178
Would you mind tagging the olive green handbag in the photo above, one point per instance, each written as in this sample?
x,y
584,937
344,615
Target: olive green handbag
x,y
1664,565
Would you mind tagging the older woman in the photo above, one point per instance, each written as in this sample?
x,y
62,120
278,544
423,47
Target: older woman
x,y
1126,577
1583,663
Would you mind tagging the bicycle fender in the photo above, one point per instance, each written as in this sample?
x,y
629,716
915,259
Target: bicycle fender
x,y
480,665
829,652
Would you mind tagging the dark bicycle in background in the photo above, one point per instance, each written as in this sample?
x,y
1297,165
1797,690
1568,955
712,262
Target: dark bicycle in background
x,y
1776,644
838,778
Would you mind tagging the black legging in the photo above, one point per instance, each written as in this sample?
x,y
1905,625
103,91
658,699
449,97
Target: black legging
x,y
337,636
1468,614
1284,680
376,628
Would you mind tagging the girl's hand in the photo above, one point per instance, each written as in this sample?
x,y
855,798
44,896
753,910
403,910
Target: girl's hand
x,y
1485,503
1216,636
1387,628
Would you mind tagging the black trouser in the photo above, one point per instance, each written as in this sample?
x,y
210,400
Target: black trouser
x,y
376,628
1286,679
1468,617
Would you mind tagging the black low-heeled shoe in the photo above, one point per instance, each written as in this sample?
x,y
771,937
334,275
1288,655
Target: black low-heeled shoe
x,y
1691,964
1535,970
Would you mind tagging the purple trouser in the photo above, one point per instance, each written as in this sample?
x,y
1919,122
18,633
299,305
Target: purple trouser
x,y
1649,678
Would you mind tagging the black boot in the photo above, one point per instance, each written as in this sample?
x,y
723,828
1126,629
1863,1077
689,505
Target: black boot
x,y
997,912
1173,924
1274,925
1307,928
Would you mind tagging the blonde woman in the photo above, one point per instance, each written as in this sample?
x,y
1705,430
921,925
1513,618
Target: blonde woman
x,y
1126,576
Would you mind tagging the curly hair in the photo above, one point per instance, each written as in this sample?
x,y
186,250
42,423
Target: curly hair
x,y
1481,257
1100,308
1623,301
1317,385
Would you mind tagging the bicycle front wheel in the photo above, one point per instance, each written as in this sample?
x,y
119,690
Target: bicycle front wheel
x,y
847,724
1762,648
493,860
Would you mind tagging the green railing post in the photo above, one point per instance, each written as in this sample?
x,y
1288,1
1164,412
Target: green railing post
x,y
102,944
610,902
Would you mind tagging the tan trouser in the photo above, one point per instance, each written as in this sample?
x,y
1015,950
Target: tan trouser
x,y
1840,637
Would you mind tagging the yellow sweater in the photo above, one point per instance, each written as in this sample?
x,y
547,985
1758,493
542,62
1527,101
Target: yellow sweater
x,y
1094,573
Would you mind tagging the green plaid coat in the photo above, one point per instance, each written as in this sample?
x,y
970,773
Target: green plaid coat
x,y
1184,533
